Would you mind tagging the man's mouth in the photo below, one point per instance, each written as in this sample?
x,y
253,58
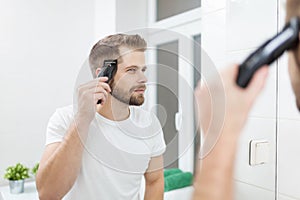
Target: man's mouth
x,y
140,90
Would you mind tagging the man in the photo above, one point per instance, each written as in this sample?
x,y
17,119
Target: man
x,y
101,151
214,178
293,9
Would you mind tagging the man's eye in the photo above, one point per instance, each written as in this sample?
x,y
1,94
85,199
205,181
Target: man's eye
x,y
131,70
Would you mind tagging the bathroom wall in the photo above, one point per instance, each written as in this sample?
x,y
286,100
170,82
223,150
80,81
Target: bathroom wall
x,y
43,45
274,117
248,24
229,34
230,30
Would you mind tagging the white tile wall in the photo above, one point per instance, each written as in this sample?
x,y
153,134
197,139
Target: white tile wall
x,y
250,22
213,35
211,6
126,15
246,191
43,45
284,197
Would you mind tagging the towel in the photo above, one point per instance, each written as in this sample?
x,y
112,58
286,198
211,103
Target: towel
x,y
178,180
171,171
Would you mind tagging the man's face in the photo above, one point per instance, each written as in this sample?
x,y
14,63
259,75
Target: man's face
x,y
128,85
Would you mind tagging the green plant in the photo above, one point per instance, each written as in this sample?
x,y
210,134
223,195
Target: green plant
x,y
35,169
17,172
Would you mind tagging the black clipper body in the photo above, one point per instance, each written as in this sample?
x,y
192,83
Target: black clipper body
x,y
267,53
109,70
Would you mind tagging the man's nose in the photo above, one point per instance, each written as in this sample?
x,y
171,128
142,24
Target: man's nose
x,y
142,78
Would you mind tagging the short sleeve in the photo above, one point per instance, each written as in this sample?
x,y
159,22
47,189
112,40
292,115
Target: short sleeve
x,y
57,126
159,145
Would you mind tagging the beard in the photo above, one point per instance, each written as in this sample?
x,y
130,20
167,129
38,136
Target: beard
x,y
129,98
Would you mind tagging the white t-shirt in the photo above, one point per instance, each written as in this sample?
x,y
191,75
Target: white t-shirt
x,y
116,154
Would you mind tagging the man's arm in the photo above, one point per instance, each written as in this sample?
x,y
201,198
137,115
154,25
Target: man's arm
x,y
154,178
60,165
215,173
61,162
213,179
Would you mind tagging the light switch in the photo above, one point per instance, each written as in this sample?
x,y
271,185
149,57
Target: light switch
x,y
259,152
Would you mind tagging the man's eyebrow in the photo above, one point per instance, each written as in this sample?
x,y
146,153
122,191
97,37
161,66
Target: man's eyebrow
x,y
135,66
130,66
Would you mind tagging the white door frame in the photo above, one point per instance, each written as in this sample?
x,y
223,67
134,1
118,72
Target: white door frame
x,y
184,34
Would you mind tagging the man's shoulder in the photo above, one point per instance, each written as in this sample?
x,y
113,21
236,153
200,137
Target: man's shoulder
x,y
65,112
65,109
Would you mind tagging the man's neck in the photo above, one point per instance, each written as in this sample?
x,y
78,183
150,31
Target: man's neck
x,y
114,110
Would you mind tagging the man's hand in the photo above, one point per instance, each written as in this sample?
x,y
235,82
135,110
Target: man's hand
x,y
238,101
62,160
88,96
214,180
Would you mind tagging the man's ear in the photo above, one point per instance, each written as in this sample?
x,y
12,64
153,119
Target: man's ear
x,y
98,71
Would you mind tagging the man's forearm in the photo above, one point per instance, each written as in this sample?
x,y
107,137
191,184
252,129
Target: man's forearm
x,y
214,179
155,190
57,175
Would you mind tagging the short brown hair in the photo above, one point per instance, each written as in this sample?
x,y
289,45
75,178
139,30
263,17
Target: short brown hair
x,y
109,48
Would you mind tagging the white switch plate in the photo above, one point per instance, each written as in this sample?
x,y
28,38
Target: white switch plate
x,y
259,152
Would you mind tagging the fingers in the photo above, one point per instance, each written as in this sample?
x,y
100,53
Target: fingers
x,y
94,82
100,96
100,93
94,91
258,81
104,85
100,90
99,82
103,78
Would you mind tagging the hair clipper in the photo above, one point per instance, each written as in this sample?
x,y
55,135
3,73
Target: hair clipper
x,y
109,69
268,52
